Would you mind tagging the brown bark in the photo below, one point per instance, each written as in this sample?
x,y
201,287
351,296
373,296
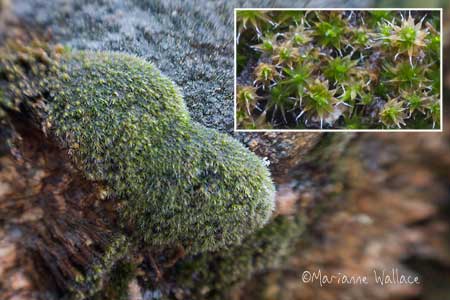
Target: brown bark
x,y
56,228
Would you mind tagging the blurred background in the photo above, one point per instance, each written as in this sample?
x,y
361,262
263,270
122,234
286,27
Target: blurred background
x,y
396,213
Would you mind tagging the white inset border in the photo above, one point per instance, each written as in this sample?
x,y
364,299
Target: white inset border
x,y
441,127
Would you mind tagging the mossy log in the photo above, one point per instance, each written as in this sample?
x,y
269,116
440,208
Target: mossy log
x,y
65,226
103,170
123,129
58,223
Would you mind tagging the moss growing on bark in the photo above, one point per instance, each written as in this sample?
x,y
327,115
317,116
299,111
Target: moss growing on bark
x,y
213,275
89,283
117,286
125,124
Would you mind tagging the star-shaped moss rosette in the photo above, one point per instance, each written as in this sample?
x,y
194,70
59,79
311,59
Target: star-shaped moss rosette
x,y
320,101
353,90
299,35
331,30
285,54
267,43
367,58
361,39
340,69
247,99
409,37
403,75
279,103
253,20
393,113
265,75
296,80
416,101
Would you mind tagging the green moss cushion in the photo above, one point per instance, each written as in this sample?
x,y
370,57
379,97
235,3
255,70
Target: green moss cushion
x,y
126,125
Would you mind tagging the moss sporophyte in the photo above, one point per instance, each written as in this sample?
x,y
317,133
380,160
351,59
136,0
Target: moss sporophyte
x,y
339,69
126,125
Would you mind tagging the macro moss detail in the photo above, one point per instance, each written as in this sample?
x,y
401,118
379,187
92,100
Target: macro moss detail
x,y
126,125
370,61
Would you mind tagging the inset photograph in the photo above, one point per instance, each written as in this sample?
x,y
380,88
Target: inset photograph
x,y
338,70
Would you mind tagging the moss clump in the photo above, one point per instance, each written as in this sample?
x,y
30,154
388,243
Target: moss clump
x,y
126,125
90,282
117,286
213,275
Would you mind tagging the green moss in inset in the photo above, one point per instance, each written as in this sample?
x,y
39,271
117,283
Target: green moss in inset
x,y
366,57
393,113
331,29
339,69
